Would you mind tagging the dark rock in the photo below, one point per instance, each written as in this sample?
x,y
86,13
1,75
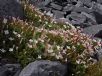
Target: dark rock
x,y
73,2
4,71
9,69
99,34
99,1
86,12
79,4
40,5
35,2
17,73
82,9
47,9
44,68
13,68
99,54
46,2
93,30
43,3
4,61
62,20
68,8
76,18
60,2
86,3
90,18
58,14
95,56
98,17
10,8
97,8
55,6
49,14
69,1
94,0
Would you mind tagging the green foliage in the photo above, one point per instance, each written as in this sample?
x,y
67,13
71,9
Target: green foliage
x,y
39,37
95,70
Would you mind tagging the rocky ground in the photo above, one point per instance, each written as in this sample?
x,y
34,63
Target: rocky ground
x,y
10,8
84,13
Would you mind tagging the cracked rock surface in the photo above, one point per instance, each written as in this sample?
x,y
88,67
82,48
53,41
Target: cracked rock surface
x,y
44,68
10,8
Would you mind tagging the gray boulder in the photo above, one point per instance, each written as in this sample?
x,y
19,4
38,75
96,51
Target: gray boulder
x,y
95,31
9,69
3,71
76,18
11,8
44,68
99,54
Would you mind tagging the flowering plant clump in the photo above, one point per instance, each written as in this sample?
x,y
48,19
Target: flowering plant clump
x,y
39,19
28,43
40,37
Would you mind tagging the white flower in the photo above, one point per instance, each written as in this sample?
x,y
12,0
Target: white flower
x,y
30,46
35,15
72,74
66,59
5,21
39,56
90,58
6,32
59,56
46,22
64,51
49,14
83,62
31,40
68,47
3,50
18,35
50,25
10,49
13,46
74,47
14,32
16,48
99,43
52,54
67,22
65,26
78,43
50,51
71,33
58,47
78,61
21,40
25,52
41,40
3,42
39,20
35,41
11,38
